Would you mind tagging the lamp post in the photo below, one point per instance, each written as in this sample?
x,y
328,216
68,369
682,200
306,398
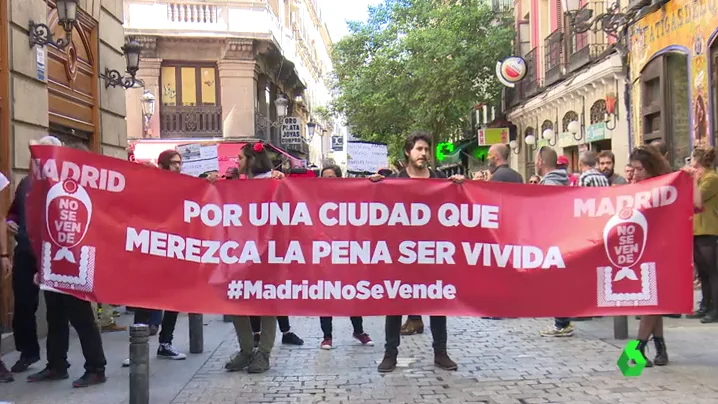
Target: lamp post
x,y
311,128
148,110
281,104
67,15
114,78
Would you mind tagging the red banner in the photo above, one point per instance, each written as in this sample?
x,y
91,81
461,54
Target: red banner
x,y
121,233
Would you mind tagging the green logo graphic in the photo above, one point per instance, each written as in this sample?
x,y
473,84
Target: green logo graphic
x,y
631,362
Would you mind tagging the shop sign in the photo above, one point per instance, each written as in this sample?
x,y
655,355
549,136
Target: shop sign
x,y
511,71
490,136
566,139
596,132
337,143
291,130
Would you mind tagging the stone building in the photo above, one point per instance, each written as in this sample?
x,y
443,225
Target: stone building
x,y
216,68
58,90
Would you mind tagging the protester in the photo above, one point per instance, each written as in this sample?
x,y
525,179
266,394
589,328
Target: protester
x,y
25,292
546,165
417,152
628,172
326,322
253,162
705,232
499,165
61,310
647,162
288,337
590,176
534,179
169,160
606,164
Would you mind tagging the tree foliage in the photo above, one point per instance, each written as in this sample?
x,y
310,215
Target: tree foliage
x,y
419,64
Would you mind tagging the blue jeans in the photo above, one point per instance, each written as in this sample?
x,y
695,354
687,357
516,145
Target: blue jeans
x,y
562,322
156,318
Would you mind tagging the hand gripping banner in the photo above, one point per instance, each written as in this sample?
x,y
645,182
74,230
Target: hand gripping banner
x,y
121,233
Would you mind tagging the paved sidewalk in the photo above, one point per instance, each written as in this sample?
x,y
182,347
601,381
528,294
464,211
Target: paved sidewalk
x,y
503,361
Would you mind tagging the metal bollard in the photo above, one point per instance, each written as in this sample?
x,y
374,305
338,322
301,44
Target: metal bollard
x,y
139,364
620,327
196,333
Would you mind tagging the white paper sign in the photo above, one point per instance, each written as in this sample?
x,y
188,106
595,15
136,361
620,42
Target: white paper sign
x,y
291,130
365,157
198,158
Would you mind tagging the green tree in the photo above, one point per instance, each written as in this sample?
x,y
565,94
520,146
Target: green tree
x,y
419,64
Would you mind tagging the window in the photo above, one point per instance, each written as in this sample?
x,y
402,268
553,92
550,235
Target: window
x,y
189,85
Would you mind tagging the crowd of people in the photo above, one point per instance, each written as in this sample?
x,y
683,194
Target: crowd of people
x,y
256,335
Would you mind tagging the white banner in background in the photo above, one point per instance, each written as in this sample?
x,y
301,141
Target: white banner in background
x,y
198,158
366,157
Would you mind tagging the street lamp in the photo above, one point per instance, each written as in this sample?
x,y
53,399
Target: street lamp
x,y
311,128
114,78
514,145
282,104
67,15
148,109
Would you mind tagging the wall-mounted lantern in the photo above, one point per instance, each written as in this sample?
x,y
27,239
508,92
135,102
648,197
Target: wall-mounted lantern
x,y
515,146
67,15
114,78
611,118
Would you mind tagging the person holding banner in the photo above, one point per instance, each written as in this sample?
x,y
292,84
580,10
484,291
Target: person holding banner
x,y
253,161
648,162
326,322
64,310
417,152
5,375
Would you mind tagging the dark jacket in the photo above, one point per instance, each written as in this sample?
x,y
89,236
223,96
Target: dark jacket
x,y
18,214
504,173
432,174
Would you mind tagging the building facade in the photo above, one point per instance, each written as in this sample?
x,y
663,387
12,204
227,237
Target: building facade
x,y
674,68
57,90
216,68
573,95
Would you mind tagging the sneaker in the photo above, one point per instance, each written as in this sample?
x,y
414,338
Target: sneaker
x,y
239,361
290,338
443,361
256,339
388,364
259,363
710,317
364,338
326,344
5,375
558,332
23,364
48,374
167,351
126,363
412,327
698,314
90,379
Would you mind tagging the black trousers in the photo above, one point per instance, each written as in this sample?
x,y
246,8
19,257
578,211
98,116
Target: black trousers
x,y
169,322
705,255
26,300
61,310
393,334
326,323
256,322
414,318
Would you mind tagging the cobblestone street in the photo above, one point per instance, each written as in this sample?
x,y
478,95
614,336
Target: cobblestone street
x,y
502,361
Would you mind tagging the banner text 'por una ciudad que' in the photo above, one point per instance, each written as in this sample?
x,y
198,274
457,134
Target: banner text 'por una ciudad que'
x,y
122,233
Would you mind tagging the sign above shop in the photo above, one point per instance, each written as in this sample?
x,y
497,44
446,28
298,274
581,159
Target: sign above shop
x,y
490,136
291,130
597,132
337,143
511,70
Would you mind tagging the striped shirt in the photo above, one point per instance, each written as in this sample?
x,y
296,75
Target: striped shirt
x,y
593,178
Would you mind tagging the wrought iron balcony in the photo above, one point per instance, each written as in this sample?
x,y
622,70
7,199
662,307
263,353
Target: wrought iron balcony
x,y
553,46
190,121
531,83
502,6
587,46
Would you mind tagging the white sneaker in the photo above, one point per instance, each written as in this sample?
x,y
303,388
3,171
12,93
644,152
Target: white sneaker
x,y
126,363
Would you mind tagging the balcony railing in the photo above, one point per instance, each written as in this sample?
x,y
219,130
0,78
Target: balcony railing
x,y
553,45
531,83
587,46
192,13
502,6
194,121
